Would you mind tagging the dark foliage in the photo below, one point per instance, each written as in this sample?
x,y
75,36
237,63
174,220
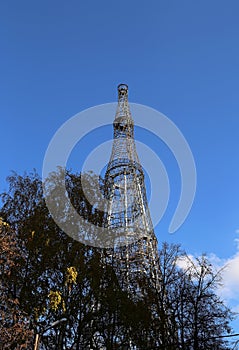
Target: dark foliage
x,y
48,276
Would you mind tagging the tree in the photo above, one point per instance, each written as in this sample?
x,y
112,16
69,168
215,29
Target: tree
x,y
15,332
205,317
45,284
189,294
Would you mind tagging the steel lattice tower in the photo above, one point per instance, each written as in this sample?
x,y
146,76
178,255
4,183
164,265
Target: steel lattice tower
x,y
128,220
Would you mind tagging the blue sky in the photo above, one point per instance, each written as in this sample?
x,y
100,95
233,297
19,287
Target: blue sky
x,y
179,57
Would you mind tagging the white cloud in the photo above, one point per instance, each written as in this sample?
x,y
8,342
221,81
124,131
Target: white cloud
x,y
230,274
184,262
229,290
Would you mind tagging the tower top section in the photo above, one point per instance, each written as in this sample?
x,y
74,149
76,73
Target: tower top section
x,y
122,90
123,104
123,123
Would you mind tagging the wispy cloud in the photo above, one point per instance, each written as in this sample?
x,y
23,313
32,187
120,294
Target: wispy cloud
x,y
230,274
229,290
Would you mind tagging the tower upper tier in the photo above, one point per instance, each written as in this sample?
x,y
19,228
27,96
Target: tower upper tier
x,y
124,152
123,123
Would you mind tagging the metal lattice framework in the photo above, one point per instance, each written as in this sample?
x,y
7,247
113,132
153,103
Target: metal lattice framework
x,y
128,219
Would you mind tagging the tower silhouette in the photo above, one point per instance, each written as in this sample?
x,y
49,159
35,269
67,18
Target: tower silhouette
x,y
130,230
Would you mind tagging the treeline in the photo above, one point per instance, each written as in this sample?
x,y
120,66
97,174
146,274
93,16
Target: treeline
x,y
46,276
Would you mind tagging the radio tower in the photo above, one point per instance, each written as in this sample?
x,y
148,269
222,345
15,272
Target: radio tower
x,y
130,230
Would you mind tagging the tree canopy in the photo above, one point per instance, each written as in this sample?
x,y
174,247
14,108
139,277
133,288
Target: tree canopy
x,y
48,276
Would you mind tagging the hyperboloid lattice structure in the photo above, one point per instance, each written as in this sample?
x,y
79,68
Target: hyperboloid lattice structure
x,y
128,220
